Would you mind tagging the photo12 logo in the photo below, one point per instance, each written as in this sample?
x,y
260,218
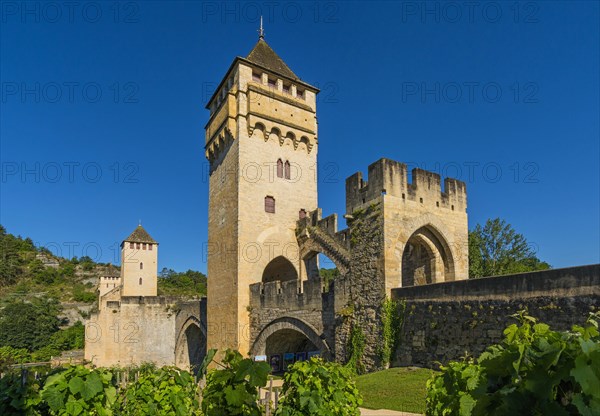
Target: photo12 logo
x,y
469,12
69,92
270,11
70,172
69,12
469,92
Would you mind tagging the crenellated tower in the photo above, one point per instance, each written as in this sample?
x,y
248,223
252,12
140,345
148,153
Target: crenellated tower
x,y
425,228
261,144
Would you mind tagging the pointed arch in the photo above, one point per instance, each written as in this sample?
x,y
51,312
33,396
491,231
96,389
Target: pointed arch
x,y
426,258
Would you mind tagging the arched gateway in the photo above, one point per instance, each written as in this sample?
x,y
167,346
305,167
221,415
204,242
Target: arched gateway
x,y
287,334
190,347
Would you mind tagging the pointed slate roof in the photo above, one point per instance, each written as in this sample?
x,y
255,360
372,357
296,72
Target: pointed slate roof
x,y
139,235
264,56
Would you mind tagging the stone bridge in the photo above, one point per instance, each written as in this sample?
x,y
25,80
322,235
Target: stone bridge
x,y
320,235
300,315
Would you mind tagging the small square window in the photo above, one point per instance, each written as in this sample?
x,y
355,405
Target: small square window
x,y
143,246
256,76
150,247
272,83
130,245
300,94
287,89
137,245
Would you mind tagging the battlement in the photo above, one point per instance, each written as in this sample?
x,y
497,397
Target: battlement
x,y
287,294
388,177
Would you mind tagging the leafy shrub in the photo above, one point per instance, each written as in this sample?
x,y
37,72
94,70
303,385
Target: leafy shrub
x,y
78,390
317,388
68,269
81,294
534,371
168,391
233,388
17,398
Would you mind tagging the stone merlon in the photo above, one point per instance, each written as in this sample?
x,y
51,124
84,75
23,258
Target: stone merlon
x,y
389,177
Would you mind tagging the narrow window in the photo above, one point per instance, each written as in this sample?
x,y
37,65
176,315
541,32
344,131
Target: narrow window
x,y
130,245
279,168
137,245
270,204
141,266
143,246
150,247
287,169
140,280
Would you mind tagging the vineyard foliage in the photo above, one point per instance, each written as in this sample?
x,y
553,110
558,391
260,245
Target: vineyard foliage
x,y
317,388
77,390
166,391
232,388
534,371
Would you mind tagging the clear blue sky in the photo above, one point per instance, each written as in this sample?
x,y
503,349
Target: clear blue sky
x,y
510,106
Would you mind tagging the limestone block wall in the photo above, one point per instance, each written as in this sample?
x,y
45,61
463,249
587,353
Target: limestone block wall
x,y
132,330
223,250
442,322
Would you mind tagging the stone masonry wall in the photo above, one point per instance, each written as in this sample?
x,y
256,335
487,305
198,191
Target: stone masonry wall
x,y
367,288
445,321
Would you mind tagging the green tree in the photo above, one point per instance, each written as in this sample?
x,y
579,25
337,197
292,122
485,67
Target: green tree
x,y
28,325
328,275
189,283
497,249
11,264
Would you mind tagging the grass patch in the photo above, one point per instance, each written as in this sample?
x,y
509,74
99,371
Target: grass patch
x,y
401,389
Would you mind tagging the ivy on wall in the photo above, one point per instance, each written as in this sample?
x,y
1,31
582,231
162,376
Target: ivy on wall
x,y
392,320
355,349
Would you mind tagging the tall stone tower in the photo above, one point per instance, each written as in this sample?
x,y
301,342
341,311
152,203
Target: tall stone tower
x,y
139,264
261,144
